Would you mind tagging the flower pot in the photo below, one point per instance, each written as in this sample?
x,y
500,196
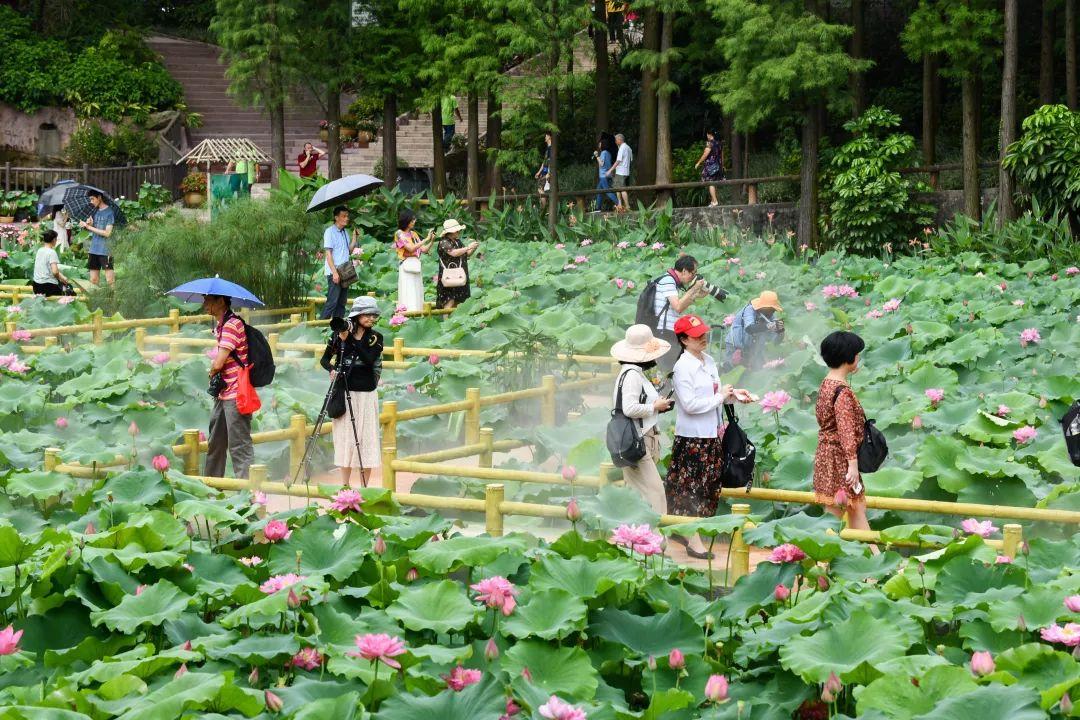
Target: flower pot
x,y
361,143
365,136
348,133
324,135
4,219
194,199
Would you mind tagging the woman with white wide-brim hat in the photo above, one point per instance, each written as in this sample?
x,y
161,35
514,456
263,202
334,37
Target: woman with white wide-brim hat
x,y
636,353
453,254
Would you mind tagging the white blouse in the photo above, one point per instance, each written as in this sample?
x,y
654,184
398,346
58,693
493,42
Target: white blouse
x,y
633,383
697,398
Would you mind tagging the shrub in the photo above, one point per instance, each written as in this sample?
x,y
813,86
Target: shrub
x,y
1046,161
869,203
151,198
102,85
1032,236
90,144
194,183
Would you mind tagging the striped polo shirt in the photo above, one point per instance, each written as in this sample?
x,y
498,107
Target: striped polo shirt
x,y
231,336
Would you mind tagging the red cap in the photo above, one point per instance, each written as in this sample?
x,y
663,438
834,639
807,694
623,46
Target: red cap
x,y
691,325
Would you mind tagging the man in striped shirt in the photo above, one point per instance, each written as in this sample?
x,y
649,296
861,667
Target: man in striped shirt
x,y
230,432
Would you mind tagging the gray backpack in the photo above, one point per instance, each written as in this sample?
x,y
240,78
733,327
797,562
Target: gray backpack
x,y
624,439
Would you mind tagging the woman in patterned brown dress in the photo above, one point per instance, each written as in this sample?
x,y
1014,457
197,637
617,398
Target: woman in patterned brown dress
x,y
841,424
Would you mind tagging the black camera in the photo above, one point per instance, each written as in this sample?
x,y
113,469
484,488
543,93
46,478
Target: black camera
x,y
217,385
711,290
347,324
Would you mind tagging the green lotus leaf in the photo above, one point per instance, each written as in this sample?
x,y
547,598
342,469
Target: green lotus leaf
x,y
140,661
990,702
855,568
439,557
776,532
581,577
937,457
711,526
157,603
255,647
898,698
210,510
918,534
664,597
1050,672
143,488
653,635
548,614
120,686
342,707
440,606
1047,559
14,548
306,690
322,551
191,691
27,712
754,591
978,635
614,506
853,651
967,582
566,671
1036,608
483,701
892,482
38,484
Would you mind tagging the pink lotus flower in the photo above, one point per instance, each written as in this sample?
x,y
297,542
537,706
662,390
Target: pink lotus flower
x,y
90,529
61,422
637,538
831,689
559,246
1070,271
760,276
586,242
573,512
581,259
1069,635
347,500
676,660
619,282
984,529
4,255
433,359
787,553
160,463
1003,410
1003,560
556,709
1024,435
293,600
934,395
774,401
273,702
276,530
308,658
774,363
410,388
781,593
1028,336
716,688
259,498
874,314
251,561
891,305
496,592
810,307
569,473
398,320
729,320
491,650
279,582
1072,603
629,284
401,308
9,640
461,678
160,359
822,583
657,246
829,291
734,261
379,648
21,335
623,245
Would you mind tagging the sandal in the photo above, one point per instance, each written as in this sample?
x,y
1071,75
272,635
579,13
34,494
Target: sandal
x,y
706,555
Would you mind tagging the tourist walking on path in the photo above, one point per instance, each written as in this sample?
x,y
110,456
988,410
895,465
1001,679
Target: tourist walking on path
x,y
448,106
337,248
453,278
751,327
841,426
620,171
711,163
308,160
693,478
360,355
409,248
48,279
543,175
230,432
604,158
100,225
640,401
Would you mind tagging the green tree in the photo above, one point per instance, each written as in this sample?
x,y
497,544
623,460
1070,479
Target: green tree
x,y
783,56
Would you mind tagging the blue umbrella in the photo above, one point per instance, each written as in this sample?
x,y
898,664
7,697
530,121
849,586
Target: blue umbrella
x,y
196,290
338,191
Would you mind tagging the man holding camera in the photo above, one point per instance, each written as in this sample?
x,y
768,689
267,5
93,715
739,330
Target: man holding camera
x,y
669,305
337,247
752,326
229,430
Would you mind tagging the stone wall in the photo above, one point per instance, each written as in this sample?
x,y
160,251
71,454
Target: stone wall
x,y
42,134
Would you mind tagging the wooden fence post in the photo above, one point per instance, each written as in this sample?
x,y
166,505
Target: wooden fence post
x,y
606,471
472,416
427,309
52,459
191,452
294,319
1014,535
740,551
389,423
493,518
487,438
273,339
389,475
97,321
311,314
140,339
256,477
298,428
175,349
547,400
174,320
399,349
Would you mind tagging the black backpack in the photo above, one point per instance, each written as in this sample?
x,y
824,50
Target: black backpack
x,y
260,358
646,304
873,450
737,454
624,440
1070,425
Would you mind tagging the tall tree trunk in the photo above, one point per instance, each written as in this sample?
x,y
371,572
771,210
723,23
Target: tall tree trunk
x,y
472,118
663,110
333,138
646,150
600,50
858,51
1046,54
438,160
972,201
389,141
929,109
808,176
734,156
553,119
1006,184
1070,53
494,143
277,138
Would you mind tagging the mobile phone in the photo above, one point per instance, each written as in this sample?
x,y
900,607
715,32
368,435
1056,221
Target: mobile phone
x,y
856,488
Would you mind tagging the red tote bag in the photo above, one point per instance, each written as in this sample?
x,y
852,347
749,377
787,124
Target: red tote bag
x,y
247,400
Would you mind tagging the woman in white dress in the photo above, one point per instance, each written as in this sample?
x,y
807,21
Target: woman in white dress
x,y
409,248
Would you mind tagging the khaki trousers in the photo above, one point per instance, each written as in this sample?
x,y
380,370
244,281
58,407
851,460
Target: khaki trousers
x,y
645,478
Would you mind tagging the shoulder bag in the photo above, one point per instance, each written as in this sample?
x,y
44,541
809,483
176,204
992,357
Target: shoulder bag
x,y
453,276
625,443
411,265
737,454
873,450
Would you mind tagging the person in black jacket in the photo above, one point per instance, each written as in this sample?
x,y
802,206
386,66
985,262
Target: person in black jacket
x,y
357,356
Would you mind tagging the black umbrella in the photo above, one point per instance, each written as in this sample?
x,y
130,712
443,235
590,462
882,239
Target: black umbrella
x,y
53,196
77,201
339,191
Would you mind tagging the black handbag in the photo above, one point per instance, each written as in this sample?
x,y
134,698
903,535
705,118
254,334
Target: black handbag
x,y
873,450
1070,425
625,443
335,406
737,454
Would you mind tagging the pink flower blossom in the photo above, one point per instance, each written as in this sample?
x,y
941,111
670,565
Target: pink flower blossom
x,y
18,367
279,582
729,320
657,246
637,538
810,307
491,650
276,530
1069,635
308,658
347,500
399,308
774,401
559,246
14,310
1003,410
9,640
461,678
1029,335
1024,435
581,259
434,359
4,255
831,688
410,388
160,359
496,592
1070,271
398,320
160,463
273,702
916,422
90,529
379,546
180,671
781,593
891,305
1003,560
133,429
716,688
379,648
259,498
251,561
874,314
139,590
1072,603
1018,303
619,282
556,709
413,575
734,261
569,473
21,335
61,422
760,276
985,529
934,395
676,660
623,245
586,242
786,553
573,512
829,291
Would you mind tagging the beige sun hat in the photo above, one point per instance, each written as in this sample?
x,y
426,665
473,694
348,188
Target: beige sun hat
x,y
450,226
640,345
767,299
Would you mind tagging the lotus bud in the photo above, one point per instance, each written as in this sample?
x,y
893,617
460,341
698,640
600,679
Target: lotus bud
x,y
186,645
709,621
569,472
253,676
1066,704
916,422
676,661
781,593
273,702
433,359
1021,624
651,662
832,688
61,422
189,529
921,568
573,512
293,599
160,463
180,671
716,688
822,583
413,575
90,529
1042,402
380,545
133,429
982,663
491,650
1072,603
526,674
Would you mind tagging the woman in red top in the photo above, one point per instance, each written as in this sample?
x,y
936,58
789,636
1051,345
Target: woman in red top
x,y
841,424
